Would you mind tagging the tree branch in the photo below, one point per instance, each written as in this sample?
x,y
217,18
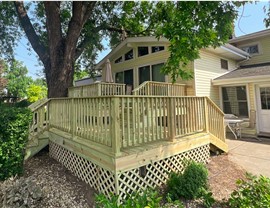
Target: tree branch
x,y
81,12
52,9
39,48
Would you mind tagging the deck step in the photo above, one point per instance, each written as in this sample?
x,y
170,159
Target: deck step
x,y
219,144
31,151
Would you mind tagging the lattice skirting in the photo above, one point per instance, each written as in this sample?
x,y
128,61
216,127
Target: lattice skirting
x,y
97,177
156,173
104,181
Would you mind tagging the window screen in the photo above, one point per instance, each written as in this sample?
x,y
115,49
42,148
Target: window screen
x,y
235,100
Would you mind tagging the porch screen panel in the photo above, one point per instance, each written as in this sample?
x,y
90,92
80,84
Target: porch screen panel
x,y
156,74
235,100
144,74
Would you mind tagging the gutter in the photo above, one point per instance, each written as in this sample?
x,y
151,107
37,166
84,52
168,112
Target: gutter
x,y
232,49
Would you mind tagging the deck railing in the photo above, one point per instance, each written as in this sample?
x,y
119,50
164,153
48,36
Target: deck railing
x,y
160,89
97,89
40,121
215,118
120,122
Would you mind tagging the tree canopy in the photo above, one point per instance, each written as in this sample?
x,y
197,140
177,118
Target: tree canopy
x,y
17,80
65,34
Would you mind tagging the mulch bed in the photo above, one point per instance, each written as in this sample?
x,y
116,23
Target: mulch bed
x,y
63,190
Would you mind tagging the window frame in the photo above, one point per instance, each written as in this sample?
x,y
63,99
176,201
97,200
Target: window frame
x,y
247,95
149,52
127,53
157,46
227,63
151,72
252,44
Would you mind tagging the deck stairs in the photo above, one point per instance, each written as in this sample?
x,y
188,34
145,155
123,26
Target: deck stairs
x,y
38,135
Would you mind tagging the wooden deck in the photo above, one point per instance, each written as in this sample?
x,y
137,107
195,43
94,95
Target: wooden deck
x,y
125,135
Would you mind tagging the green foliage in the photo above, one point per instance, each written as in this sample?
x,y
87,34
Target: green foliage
x,y
147,199
253,192
18,81
191,26
20,193
190,184
207,197
22,104
36,92
13,137
188,25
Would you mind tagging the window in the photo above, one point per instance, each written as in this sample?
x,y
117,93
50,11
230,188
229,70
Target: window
x,y
156,74
224,64
252,49
129,55
265,98
235,101
125,77
144,74
157,48
120,59
151,73
142,51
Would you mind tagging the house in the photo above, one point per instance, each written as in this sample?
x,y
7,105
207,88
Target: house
x,y
245,91
128,135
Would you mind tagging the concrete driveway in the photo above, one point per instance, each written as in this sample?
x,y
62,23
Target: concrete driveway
x,y
253,155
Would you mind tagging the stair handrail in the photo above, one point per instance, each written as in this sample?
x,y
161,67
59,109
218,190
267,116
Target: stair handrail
x,y
137,90
38,104
214,123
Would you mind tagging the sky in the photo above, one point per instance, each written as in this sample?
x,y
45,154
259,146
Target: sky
x,y
250,20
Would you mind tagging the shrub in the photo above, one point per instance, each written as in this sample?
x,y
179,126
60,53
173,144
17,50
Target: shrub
x,y
18,193
190,184
14,127
252,192
147,199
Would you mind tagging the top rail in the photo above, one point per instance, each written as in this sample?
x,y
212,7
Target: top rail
x,y
160,88
97,89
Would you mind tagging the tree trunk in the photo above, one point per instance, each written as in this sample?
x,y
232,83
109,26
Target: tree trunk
x,y
60,55
60,80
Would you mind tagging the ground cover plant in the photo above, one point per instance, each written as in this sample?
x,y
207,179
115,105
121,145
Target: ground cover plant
x,y
251,192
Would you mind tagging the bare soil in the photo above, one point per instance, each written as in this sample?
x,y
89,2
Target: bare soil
x,y
62,189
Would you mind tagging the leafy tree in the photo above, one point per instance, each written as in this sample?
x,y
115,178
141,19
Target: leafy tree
x,y
36,92
18,81
65,33
3,81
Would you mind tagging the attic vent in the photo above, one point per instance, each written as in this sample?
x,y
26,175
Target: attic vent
x,y
224,64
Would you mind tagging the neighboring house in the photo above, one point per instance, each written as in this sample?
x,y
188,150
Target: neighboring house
x,y
245,91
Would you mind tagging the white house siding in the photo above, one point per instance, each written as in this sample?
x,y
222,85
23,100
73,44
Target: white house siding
x,y
207,68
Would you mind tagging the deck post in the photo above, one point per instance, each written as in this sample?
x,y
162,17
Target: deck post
x,y
171,119
206,115
115,126
99,89
72,118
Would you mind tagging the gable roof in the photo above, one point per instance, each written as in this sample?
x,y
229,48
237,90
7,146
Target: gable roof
x,y
259,34
245,74
235,53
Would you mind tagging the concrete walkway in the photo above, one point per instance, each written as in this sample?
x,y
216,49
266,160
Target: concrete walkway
x,y
253,155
